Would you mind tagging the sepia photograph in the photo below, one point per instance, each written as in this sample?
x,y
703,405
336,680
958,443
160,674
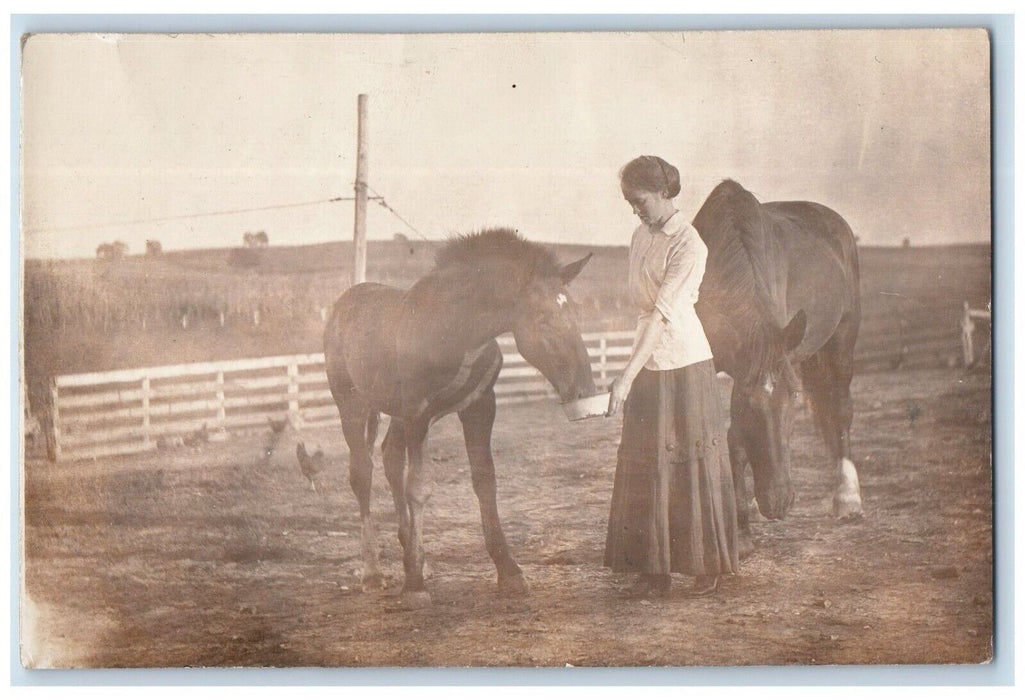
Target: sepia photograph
x,y
506,349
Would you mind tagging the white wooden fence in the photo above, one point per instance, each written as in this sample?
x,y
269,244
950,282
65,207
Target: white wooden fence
x,y
968,330
134,410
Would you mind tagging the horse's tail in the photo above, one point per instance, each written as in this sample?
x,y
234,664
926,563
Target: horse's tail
x,y
373,423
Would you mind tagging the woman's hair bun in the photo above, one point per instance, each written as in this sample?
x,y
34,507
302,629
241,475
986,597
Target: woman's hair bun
x,y
651,174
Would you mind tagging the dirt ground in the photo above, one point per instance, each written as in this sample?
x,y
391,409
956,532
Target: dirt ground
x,y
205,557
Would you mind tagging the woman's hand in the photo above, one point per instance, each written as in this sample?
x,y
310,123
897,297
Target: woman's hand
x,y
618,392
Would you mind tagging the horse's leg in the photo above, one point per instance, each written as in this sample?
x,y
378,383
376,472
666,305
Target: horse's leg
x,y
478,419
738,465
361,474
418,491
847,499
826,377
393,451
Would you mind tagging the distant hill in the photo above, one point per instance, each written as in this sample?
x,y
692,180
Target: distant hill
x,y
90,315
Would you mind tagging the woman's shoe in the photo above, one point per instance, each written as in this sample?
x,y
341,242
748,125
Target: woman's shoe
x,y
703,586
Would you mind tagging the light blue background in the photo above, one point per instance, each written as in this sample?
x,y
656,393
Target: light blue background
x,y
1000,672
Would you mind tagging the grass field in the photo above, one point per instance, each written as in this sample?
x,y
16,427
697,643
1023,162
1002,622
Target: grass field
x,y
215,557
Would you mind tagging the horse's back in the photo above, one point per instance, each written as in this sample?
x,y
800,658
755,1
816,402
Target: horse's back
x,y
819,223
359,343
822,267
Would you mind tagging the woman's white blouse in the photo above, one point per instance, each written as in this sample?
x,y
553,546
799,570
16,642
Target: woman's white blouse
x,y
666,267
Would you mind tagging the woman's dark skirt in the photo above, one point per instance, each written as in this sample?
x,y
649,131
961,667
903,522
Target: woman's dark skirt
x,y
673,508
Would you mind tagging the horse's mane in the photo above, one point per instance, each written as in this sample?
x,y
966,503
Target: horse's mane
x,y
729,212
731,220
497,247
741,287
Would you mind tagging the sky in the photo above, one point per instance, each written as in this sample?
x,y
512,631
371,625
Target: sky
x,y
891,128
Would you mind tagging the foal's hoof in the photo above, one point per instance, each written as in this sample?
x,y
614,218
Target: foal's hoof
x,y
415,600
514,586
373,582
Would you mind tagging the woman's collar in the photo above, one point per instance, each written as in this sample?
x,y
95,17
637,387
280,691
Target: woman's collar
x,y
673,225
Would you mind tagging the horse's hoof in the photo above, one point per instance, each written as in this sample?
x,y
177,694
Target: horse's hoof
x,y
753,514
514,586
844,509
847,496
415,600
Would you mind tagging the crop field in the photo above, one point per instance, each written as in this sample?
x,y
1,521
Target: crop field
x,y
91,315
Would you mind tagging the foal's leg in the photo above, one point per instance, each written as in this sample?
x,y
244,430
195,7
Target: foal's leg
x,y
478,419
418,491
393,451
827,378
361,474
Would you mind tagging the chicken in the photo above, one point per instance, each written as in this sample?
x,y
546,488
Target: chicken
x,y
273,439
197,437
309,465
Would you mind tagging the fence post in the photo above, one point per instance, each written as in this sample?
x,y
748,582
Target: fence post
x,y
220,398
293,392
145,412
967,327
603,359
53,437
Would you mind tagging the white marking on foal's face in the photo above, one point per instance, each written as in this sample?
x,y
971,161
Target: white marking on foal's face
x,y
561,300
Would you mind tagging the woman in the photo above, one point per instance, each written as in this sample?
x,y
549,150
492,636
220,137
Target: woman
x,y
673,508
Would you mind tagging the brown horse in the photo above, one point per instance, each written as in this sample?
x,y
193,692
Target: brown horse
x,y
781,290
420,354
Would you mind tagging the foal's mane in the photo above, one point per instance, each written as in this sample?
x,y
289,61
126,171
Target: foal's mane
x,y
497,249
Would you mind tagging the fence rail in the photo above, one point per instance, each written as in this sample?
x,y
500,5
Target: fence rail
x,y
134,410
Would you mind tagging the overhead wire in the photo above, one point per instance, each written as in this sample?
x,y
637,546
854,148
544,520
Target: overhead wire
x,y
196,215
377,197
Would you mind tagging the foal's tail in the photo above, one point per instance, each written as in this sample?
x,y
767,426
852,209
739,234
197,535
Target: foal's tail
x,y
373,423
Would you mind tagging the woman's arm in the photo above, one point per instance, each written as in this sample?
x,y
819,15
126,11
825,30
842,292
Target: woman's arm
x,y
620,388
685,268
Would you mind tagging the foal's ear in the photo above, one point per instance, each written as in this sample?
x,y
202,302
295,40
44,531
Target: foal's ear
x,y
793,334
569,272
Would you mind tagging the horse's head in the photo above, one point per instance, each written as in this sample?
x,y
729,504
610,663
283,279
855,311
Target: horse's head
x,y
547,336
765,398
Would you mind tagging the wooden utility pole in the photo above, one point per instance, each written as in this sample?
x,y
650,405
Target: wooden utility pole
x,y
359,235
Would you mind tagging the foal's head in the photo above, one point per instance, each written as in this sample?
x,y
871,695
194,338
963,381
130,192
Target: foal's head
x,y
522,283
546,333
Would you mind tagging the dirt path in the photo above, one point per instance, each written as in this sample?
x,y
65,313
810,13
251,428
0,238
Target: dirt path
x,y
202,557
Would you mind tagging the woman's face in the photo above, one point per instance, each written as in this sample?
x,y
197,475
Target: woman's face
x,y
650,207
